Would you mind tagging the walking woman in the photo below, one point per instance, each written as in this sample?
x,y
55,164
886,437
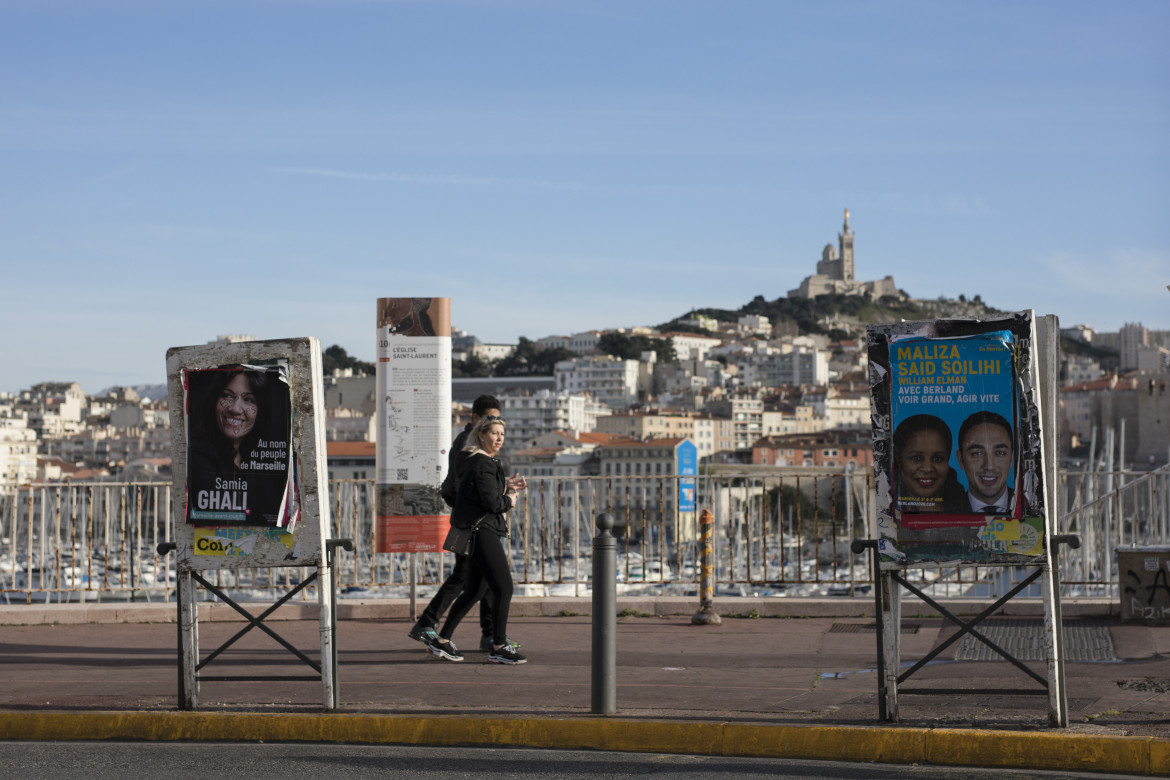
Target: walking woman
x,y
485,496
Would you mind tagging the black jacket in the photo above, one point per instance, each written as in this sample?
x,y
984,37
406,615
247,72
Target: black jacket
x,y
482,492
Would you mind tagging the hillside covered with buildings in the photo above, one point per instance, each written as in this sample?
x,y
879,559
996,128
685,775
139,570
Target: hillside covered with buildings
x,y
780,382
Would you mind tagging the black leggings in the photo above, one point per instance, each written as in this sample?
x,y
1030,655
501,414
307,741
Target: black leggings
x,y
449,591
488,564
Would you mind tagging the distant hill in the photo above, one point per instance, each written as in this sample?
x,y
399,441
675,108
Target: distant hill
x,y
844,316
153,392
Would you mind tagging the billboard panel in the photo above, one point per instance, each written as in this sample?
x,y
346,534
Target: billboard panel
x,y
248,454
957,440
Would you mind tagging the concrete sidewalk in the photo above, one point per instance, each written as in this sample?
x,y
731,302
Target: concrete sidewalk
x,y
801,685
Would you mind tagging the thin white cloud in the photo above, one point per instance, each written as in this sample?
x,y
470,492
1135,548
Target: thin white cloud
x,y
437,180
1121,272
933,205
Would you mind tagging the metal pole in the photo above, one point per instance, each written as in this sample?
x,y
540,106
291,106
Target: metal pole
x,y
859,546
706,616
604,699
410,564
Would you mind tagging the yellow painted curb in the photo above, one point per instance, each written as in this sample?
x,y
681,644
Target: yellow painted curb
x,y
1031,750
953,747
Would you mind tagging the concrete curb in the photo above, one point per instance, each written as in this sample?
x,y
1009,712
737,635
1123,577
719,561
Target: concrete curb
x,y
949,747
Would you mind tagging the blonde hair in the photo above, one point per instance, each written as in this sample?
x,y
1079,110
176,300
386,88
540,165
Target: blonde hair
x,y
478,429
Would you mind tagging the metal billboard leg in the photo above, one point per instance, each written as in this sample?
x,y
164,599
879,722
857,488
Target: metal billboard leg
x,y
1054,630
326,605
188,641
891,642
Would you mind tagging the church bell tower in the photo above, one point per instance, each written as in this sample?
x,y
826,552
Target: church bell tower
x,y
845,242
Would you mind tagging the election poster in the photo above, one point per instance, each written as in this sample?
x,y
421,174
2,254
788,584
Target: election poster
x,y
414,423
956,440
240,469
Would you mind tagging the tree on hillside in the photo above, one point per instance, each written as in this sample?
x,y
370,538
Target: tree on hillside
x,y
335,358
474,365
527,359
624,347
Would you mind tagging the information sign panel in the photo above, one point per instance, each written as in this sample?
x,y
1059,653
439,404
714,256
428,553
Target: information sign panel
x,y
688,466
414,423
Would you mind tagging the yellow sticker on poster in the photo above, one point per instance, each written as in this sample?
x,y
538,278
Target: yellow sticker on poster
x,y
1021,537
1031,541
230,541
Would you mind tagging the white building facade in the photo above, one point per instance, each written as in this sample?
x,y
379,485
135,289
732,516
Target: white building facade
x,y
610,381
530,416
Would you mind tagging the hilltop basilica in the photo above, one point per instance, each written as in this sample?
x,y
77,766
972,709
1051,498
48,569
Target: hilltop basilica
x,y
835,273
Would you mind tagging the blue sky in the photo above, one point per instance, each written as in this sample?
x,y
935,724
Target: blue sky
x,y
173,171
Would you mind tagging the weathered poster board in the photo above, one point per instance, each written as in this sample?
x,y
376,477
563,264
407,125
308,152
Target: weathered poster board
x,y
248,449
958,445
414,423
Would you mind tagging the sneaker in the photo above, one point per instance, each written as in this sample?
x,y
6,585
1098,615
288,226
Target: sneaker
x,y
421,633
486,644
506,655
444,649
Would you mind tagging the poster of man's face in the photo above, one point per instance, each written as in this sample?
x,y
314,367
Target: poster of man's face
x,y
985,453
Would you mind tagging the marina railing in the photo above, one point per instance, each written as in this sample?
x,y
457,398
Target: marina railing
x,y
778,532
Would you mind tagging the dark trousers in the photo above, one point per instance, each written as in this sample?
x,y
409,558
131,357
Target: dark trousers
x,y
450,590
488,565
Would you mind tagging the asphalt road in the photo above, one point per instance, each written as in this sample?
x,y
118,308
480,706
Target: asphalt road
x,y
179,760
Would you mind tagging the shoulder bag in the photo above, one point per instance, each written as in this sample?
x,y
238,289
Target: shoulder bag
x,y
461,540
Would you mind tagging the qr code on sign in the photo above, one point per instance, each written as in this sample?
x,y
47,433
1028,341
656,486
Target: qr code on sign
x,y
404,474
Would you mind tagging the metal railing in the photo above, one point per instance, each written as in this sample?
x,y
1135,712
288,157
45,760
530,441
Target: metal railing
x,y
778,532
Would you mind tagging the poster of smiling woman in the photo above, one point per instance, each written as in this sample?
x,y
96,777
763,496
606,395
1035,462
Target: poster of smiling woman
x,y
956,439
239,446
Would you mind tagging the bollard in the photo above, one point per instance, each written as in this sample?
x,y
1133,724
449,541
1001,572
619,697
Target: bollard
x,y
706,616
604,698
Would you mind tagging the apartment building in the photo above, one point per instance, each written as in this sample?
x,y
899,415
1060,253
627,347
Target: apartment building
x,y
846,409
611,381
713,434
584,343
563,462
1080,369
1131,338
18,454
774,369
53,408
356,393
831,449
350,459
691,346
659,485
757,324
651,424
746,412
530,415
781,419
1101,404
342,424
